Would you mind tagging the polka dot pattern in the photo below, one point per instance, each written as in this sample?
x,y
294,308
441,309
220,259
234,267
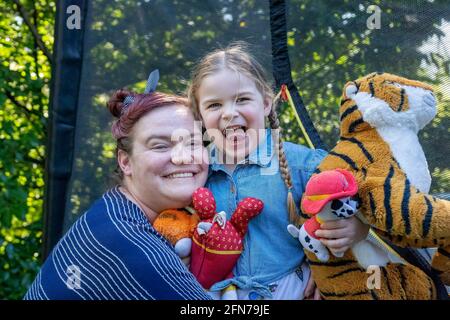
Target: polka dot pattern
x,y
231,235
215,253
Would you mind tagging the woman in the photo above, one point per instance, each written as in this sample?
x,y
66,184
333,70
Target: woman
x,y
112,251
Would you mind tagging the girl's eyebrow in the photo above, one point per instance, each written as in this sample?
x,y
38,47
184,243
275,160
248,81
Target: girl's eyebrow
x,y
238,94
244,93
210,100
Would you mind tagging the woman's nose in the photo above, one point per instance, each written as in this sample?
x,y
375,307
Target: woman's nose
x,y
182,156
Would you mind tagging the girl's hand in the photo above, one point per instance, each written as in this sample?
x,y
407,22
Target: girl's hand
x,y
340,235
311,291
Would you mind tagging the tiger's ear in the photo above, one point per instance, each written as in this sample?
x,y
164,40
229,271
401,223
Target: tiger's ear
x,y
351,90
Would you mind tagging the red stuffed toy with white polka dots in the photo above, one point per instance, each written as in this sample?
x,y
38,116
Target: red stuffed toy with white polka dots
x,y
218,243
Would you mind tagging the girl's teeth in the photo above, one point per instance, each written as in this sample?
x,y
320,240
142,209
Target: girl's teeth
x,y
238,130
236,135
181,175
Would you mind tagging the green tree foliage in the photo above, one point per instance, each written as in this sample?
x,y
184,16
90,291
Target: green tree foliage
x,y
24,90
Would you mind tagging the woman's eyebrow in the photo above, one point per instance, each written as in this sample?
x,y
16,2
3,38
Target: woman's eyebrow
x,y
238,94
158,137
170,137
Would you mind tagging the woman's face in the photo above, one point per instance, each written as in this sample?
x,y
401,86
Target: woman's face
x,y
168,160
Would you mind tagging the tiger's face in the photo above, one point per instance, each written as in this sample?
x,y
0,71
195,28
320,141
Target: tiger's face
x,y
387,100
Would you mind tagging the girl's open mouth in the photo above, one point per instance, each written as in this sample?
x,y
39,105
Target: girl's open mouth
x,y
235,134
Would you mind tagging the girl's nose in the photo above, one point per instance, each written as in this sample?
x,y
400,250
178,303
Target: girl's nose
x,y
229,112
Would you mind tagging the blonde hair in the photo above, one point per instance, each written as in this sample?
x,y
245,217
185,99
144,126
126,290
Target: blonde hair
x,y
236,57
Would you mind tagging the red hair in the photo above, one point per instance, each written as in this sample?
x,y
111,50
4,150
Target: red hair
x,y
127,116
141,105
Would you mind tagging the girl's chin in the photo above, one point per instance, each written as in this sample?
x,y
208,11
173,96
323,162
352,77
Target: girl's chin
x,y
239,152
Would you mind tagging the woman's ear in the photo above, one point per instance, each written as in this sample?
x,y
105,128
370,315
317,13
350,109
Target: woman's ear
x,y
267,105
123,159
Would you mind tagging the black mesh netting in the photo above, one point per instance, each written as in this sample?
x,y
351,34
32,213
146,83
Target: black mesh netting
x,y
329,43
124,41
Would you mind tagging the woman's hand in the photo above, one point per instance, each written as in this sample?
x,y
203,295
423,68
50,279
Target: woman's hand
x,y
311,291
340,235
186,261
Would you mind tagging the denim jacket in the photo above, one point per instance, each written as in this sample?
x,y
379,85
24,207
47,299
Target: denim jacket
x,y
270,252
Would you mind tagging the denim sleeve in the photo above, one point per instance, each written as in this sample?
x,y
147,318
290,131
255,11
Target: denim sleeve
x,y
302,162
316,158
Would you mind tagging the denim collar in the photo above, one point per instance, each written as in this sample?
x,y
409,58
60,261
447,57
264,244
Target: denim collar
x,y
261,156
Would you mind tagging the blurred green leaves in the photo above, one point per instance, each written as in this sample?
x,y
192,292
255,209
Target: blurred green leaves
x,y
24,89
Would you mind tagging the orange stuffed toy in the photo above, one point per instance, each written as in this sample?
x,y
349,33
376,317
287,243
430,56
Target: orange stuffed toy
x,y
177,226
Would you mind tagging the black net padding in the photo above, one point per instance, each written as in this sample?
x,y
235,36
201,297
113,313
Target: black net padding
x,y
65,86
281,67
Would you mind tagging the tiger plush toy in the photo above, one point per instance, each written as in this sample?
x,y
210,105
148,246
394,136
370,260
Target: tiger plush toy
x,y
380,117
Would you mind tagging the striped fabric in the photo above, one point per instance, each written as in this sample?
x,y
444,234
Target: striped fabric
x,y
113,253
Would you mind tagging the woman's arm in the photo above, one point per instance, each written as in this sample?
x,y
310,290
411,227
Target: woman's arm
x,y
106,257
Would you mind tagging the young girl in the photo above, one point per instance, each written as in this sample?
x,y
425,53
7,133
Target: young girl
x,y
230,94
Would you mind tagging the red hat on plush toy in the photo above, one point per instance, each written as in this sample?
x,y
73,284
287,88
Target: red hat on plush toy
x,y
327,186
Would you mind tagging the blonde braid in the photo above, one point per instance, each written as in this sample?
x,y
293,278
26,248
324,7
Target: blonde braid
x,y
284,168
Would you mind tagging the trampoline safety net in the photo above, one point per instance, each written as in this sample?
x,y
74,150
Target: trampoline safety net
x,y
329,43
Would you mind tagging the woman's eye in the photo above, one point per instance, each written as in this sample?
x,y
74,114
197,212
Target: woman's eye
x,y
159,147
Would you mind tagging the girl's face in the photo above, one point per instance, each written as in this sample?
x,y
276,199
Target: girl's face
x,y
168,160
233,111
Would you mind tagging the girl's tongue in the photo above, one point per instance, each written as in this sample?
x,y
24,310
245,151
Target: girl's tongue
x,y
235,135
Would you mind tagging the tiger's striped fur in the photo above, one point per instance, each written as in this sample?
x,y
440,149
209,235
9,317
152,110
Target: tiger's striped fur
x,y
392,206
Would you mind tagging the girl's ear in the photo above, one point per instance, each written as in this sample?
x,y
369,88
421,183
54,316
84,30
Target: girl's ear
x,y
267,105
123,160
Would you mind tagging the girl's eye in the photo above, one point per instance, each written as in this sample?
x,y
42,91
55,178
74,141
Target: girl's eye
x,y
213,105
242,99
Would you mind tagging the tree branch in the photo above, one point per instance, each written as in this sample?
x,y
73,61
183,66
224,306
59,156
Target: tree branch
x,y
18,104
39,162
35,53
34,31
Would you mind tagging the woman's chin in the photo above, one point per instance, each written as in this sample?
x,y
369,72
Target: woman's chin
x,y
181,197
